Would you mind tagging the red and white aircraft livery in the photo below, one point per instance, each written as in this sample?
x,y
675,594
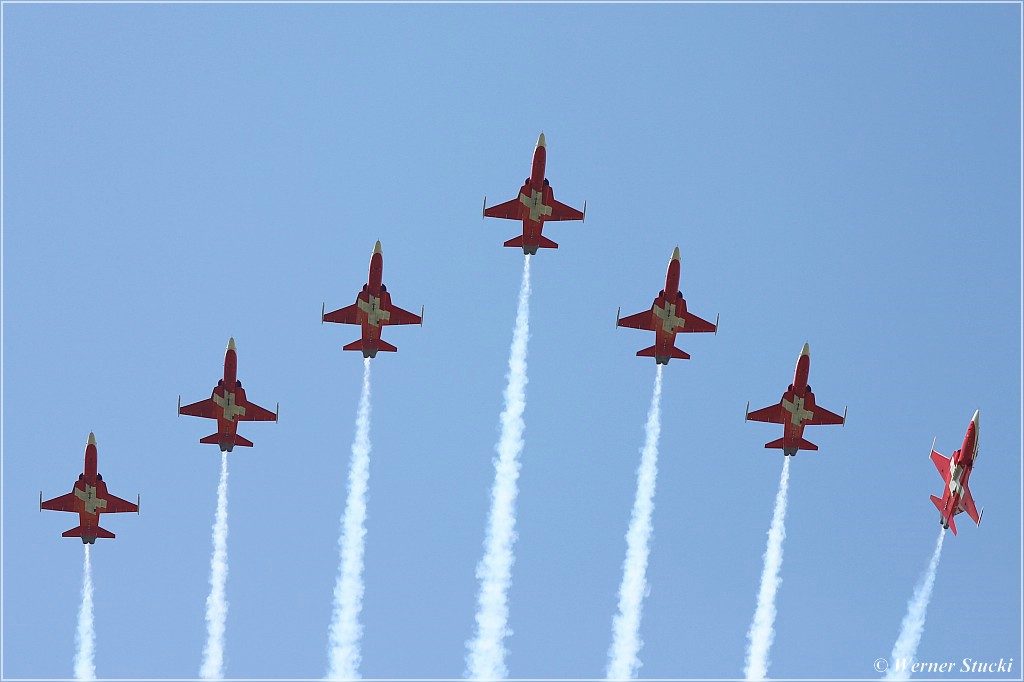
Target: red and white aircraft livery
x,y
666,318
89,498
534,205
372,310
956,470
796,410
228,406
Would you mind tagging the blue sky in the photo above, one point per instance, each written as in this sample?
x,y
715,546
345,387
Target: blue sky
x,y
845,175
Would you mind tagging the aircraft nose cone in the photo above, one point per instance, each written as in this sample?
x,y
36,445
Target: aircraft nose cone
x,y
974,419
376,247
540,141
231,343
806,350
92,438
675,254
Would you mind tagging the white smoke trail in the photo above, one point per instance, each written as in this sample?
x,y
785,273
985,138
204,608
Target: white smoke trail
x,y
343,654
85,638
486,658
216,602
622,656
762,629
912,627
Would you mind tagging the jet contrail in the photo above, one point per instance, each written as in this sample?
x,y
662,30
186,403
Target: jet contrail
x,y
622,656
762,629
343,654
85,638
905,649
486,657
216,603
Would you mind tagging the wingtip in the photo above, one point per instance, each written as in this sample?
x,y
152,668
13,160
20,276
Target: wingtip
x,y
423,309
277,412
746,412
618,314
483,210
845,408
584,210
179,404
323,310
718,316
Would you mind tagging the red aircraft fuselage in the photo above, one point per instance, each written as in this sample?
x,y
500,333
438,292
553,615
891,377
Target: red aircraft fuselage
x,y
670,308
956,473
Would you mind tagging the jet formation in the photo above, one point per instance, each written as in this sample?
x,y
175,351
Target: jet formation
x,y
796,410
955,472
228,405
89,498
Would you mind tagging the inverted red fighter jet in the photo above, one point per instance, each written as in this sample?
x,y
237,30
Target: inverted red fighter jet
x,y
89,498
666,318
228,405
796,410
534,205
372,310
956,471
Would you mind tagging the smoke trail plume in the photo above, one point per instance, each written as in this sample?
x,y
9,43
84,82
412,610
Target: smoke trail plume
x,y
216,602
343,655
85,638
762,629
912,626
486,657
622,656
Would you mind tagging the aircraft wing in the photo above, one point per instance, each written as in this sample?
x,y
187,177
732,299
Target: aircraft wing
x,y
823,416
400,316
512,210
115,504
696,324
560,211
776,414
346,315
942,464
968,504
204,408
62,503
644,320
255,413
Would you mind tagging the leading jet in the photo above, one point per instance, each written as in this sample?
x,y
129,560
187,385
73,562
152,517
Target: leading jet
x,y
534,205
955,472
89,498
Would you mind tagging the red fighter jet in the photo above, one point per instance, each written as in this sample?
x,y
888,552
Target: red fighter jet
x,y
372,310
956,470
89,498
666,318
228,406
534,205
796,410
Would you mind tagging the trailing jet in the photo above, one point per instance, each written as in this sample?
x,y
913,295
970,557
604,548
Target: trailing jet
x,y
372,310
796,410
666,318
228,406
534,205
89,498
956,470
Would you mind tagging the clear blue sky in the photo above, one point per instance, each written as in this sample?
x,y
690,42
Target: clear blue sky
x,y
844,175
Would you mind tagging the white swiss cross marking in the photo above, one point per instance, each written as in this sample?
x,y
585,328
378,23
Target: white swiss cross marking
x,y
955,486
800,415
668,316
231,410
535,202
374,313
89,497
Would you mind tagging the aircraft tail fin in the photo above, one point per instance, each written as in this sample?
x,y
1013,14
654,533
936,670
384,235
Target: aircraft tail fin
x,y
937,501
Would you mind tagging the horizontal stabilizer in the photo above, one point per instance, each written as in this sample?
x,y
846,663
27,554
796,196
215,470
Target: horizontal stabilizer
x,y
515,241
385,346
543,243
546,243
77,533
652,352
213,439
775,444
355,345
242,441
942,512
801,445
